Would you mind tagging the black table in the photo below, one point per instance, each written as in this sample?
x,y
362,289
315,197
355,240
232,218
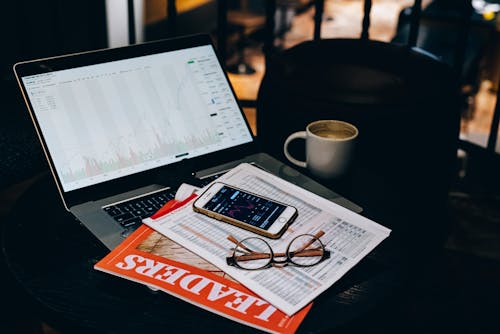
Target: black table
x,y
51,257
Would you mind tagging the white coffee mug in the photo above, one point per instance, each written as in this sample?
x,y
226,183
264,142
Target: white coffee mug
x,y
329,147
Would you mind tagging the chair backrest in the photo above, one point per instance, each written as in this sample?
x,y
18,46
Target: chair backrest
x,y
405,104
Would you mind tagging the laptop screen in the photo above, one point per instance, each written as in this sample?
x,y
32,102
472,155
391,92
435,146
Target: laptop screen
x,y
105,121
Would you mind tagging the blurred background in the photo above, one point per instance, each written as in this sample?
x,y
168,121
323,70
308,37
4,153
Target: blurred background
x,y
245,38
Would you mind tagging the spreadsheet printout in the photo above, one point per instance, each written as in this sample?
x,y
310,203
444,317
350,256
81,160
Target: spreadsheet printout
x,y
348,237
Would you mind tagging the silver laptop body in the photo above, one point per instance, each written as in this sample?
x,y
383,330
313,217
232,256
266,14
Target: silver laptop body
x,y
117,124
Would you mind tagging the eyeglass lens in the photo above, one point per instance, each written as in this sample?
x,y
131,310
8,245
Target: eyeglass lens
x,y
253,253
305,250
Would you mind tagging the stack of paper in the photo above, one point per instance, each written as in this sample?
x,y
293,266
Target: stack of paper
x,y
277,299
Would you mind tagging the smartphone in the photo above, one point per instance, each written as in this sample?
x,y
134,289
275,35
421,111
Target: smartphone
x,y
244,209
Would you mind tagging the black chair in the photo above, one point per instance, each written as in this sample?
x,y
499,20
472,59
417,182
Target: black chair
x,y
440,33
406,106
21,153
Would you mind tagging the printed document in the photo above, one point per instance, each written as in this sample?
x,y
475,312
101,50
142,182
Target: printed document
x,y
348,236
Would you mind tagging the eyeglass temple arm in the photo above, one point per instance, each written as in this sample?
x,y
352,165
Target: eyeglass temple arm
x,y
318,235
253,256
236,242
258,256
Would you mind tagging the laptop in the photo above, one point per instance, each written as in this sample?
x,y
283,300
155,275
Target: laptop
x,y
122,128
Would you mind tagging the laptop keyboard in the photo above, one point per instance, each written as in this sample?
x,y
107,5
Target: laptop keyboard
x,y
131,213
206,180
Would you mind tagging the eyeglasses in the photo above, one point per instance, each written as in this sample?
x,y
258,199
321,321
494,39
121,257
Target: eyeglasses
x,y
254,253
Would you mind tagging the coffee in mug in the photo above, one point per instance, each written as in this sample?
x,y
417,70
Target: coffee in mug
x,y
329,147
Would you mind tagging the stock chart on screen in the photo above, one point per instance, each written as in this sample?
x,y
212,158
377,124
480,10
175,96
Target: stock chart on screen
x,y
113,119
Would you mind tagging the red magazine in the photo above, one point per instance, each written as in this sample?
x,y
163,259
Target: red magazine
x,y
150,258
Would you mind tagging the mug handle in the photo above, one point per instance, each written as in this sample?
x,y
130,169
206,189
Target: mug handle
x,y
293,136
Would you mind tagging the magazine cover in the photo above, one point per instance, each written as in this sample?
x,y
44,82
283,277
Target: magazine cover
x,y
150,258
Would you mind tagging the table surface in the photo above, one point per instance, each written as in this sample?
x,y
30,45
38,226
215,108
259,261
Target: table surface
x,y
52,257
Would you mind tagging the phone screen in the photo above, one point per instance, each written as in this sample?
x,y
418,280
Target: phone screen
x,y
245,207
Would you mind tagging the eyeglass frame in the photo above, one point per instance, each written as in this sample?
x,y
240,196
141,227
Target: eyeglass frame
x,y
231,260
